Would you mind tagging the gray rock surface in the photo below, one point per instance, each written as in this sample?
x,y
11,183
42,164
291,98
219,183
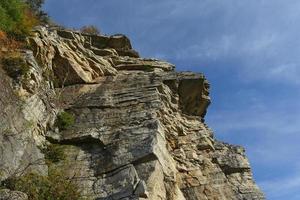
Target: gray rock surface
x,y
139,130
6,194
19,132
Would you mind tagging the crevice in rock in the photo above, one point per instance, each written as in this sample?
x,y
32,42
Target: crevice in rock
x,y
77,141
227,170
148,158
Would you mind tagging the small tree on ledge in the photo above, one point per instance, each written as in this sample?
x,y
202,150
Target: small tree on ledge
x,y
90,29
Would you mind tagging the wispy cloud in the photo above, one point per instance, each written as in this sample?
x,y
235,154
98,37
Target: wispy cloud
x,y
283,188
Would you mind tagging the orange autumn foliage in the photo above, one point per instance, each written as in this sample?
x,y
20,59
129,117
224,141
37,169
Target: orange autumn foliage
x,y
29,20
8,44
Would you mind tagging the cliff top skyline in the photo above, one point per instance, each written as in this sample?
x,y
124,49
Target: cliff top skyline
x,y
247,50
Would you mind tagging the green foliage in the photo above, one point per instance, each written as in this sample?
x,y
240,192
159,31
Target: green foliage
x,y
15,66
11,12
55,186
16,18
91,29
148,68
65,120
54,153
36,7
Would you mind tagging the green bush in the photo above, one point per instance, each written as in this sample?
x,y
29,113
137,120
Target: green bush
x,y
53,153
55,186
65,120
90,29
16,18
15,66
11,13
36,7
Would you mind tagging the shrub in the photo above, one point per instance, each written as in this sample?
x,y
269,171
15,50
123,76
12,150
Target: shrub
x,y
36,8
55,186
54,153
65,120
8,42
35,5
29,20
11,12
16,18
15,66
90,30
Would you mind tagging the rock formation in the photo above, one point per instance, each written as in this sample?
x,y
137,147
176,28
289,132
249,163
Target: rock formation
x,y
139,130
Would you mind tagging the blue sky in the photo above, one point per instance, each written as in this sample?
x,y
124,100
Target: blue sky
x,y
249,51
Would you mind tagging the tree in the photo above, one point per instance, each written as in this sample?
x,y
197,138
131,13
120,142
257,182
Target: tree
x,y
91,29
35,5
16,18
11,14
36,8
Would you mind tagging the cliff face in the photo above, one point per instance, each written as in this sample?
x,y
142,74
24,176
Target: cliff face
x,y
139,130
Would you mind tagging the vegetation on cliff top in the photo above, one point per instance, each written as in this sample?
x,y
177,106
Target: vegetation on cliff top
x,y
90,29
17,18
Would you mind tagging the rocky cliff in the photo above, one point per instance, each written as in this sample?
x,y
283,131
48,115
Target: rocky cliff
x,y
138,130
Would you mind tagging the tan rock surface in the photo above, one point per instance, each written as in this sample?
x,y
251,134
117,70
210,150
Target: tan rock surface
x,y
139,129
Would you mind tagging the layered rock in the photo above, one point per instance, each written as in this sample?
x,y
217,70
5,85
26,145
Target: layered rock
x,y
20,134
79,58
139,129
